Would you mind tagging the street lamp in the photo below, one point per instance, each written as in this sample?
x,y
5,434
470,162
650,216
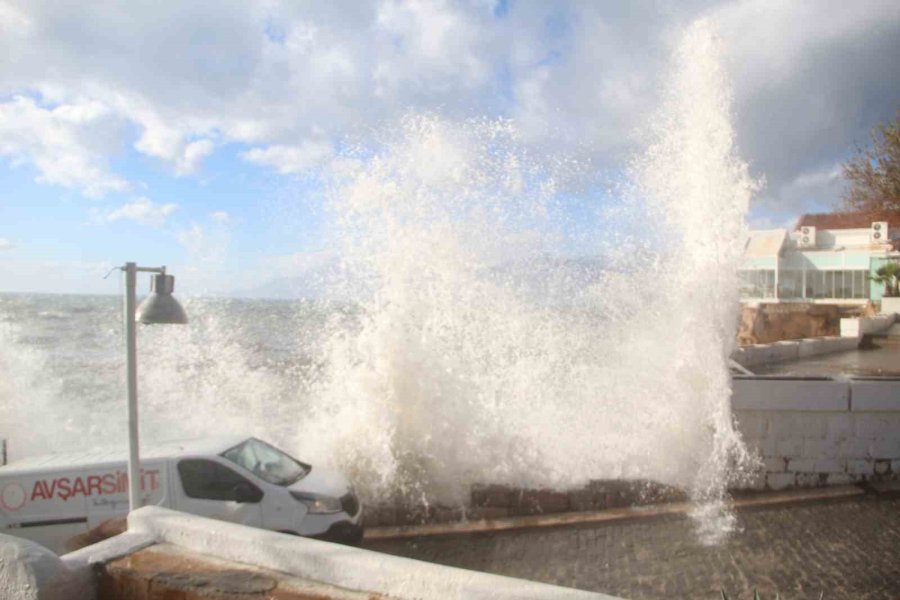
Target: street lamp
x,y
159,307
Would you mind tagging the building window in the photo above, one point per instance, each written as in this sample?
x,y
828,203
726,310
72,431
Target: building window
x,y
843,285
757,283
790,284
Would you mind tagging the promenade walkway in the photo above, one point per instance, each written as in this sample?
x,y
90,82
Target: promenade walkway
x,y
848,548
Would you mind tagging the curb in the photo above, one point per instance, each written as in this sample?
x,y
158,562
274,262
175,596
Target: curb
x,y
604,516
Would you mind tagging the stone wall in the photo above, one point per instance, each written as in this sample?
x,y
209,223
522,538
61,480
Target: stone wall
x,y
820,432
764,323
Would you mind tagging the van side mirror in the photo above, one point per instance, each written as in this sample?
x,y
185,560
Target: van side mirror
x,y
245,493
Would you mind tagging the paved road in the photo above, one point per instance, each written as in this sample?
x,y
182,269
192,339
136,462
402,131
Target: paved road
x,y
850,549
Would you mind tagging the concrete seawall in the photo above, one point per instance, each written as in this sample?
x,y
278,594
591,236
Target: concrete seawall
x,y
820,432
806,433
852,332
788,350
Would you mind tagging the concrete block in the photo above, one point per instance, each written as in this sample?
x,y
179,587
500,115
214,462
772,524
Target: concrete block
x,y
750,356
886,448
785,350
820,448
790,394
830,465
774,465
492,495
584,499
757,483
780,481
881,425
813,347
851,328
838,479
839,427
890,306
790,448
801,465
856,448
810,479
752,425
532,502
860,467
763,447
797,425
738,355
882,395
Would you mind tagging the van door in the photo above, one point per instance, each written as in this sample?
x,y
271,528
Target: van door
x,y
211,489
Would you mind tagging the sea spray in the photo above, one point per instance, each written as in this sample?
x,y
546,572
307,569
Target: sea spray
x,y
456,376
695,183
484,342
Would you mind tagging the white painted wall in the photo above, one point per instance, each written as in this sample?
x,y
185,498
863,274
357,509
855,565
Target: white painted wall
x,y
857,328
814,432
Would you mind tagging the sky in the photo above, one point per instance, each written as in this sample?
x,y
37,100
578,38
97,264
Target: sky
x,y
193,134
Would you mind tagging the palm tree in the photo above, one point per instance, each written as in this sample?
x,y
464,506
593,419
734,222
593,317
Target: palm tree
x,y
889,275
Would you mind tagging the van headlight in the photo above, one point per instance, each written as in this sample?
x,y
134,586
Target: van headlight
x,y
318,504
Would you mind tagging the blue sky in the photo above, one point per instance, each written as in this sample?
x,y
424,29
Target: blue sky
x,y
194,135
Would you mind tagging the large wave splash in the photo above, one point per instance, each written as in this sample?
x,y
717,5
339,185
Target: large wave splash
x,y
478,353
458,375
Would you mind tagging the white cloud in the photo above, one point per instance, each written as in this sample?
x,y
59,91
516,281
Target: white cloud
x,y
141,210
220,216
291,159
292,80
5,244
68,144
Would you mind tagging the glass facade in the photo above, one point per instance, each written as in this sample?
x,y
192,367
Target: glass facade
x,y
845,284
757,283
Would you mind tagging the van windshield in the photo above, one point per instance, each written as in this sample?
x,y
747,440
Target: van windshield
x,y
267,462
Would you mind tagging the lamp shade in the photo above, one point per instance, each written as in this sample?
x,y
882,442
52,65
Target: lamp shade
x,y
160,306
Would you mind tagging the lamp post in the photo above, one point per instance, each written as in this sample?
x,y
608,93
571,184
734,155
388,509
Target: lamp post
x,y
159,307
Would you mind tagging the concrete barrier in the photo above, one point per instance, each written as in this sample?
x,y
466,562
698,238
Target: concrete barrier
x,y
781,393
875,394
890,306
787,350
342,566
858,327
820,432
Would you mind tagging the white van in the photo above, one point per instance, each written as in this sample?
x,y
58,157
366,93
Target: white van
x,y
52,499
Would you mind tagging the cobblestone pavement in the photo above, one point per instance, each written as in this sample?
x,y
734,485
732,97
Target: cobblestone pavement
x,y
850,549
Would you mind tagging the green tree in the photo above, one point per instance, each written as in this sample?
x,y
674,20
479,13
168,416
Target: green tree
x,y
874,173
889,275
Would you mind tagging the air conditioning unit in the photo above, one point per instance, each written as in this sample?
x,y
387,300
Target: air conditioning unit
x,y
807,237
879,233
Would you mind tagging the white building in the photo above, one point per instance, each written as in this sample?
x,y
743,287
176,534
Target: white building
x,y
828,258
